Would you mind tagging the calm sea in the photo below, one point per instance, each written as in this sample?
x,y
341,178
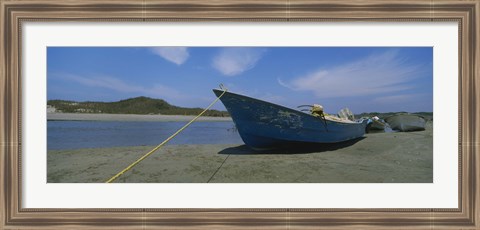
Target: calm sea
x,y
100,134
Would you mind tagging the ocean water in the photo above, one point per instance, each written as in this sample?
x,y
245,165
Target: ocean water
x,y
104,134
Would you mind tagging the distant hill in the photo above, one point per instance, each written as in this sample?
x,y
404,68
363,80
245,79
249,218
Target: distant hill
x,y
137,105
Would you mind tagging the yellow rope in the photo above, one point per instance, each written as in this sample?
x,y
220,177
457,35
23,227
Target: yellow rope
x,y
165,141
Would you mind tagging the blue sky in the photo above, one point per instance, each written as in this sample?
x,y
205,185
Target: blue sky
x,y
364,79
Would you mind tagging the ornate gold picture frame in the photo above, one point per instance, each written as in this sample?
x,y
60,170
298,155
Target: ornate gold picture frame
x,y
13,13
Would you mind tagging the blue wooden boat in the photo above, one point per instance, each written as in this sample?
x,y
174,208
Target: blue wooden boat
x,y
264,125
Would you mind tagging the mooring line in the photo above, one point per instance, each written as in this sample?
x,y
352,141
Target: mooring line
x,y
218,169
165,141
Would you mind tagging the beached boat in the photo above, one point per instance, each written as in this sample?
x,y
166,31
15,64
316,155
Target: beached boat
x,y
406,122
376,124
264,125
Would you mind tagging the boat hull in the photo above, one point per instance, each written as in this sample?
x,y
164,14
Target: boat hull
x,y
264,125
406,122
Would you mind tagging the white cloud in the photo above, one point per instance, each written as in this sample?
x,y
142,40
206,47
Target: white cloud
x,y
381,73
177,55
111,83
234,61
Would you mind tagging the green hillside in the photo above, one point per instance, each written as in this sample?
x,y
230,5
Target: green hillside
x,y
138,105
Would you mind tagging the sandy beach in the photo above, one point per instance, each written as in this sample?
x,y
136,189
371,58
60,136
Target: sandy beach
x,y
376,158
126,117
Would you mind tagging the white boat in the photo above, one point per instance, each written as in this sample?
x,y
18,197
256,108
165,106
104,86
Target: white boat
x,y
406,122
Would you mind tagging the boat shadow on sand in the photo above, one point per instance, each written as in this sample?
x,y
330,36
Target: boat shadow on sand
x,y
297,148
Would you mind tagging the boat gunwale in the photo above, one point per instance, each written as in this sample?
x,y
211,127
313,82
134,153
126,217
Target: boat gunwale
x,y
290,109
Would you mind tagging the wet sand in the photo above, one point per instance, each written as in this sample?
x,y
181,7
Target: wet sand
x,y
126,117
376,158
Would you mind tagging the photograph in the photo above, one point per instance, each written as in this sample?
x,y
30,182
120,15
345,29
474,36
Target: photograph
x,y
248,114
239,114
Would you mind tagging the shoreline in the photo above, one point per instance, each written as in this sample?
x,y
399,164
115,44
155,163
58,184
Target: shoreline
x,y
396,157
127,117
